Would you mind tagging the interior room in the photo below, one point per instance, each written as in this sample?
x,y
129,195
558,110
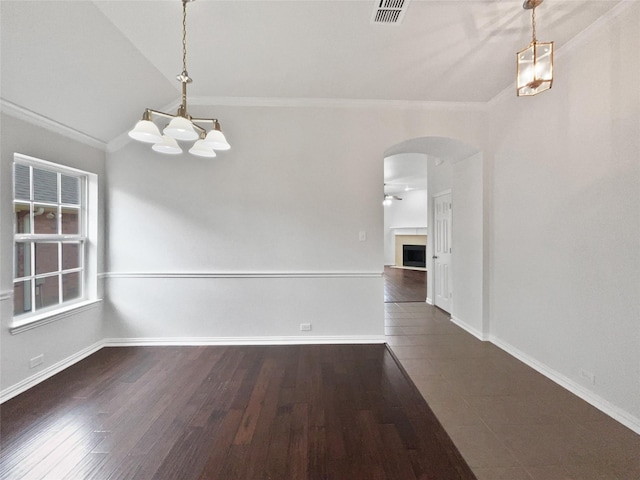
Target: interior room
x,y
282,238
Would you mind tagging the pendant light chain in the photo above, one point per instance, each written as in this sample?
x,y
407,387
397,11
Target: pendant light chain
x,y
533,24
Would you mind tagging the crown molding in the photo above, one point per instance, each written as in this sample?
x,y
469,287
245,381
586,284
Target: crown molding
x,y
574,43
47,123
123,139
334,103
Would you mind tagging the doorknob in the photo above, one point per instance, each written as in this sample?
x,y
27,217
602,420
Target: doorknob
x,y
435,256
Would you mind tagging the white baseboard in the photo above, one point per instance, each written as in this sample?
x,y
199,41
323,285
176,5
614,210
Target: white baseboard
x,y
10,392
588,396
472,330
429,301
298,340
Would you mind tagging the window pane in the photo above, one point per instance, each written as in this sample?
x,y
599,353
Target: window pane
x,y
22,260
70,286
46,257
70,221
45,219
21,182
47,291
22,218
70,190
21,297
70,256
45,186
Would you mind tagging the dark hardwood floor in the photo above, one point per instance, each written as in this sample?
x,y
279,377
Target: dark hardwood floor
x,y
253,412
402,285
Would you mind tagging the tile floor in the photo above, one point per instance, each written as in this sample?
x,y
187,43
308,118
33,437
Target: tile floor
x,y
508,421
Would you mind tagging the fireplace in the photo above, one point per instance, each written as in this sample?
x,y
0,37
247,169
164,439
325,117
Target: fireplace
x,y
414,256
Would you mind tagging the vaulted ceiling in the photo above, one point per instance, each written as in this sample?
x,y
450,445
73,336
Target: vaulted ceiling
x,y
95,65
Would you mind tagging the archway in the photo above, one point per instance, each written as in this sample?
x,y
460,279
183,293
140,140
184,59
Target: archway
x,y
455,166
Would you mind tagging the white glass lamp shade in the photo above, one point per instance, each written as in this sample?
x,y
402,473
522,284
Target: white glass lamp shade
x,y
202,149
146,131
535,69
181,128
167,145
215,139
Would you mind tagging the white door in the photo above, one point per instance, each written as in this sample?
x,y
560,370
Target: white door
x,y
442,251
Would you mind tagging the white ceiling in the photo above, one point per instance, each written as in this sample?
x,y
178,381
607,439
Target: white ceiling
x,y
95,65
405,171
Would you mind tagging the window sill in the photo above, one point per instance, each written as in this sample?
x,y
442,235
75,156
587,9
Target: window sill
x,y
49,317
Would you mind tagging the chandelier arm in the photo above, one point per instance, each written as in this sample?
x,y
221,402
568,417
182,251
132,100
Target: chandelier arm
x,y
158,113
212,120
149,113
201,130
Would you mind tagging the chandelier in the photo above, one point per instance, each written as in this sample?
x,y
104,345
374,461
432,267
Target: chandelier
x,y
535,63
182,126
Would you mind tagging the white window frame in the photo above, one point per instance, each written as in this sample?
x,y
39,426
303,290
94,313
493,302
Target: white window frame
x,y
86,238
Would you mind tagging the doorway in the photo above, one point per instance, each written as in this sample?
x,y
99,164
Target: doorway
x,y
442,272
458,169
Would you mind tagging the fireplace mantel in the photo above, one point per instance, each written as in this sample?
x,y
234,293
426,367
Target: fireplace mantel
x,y
408,230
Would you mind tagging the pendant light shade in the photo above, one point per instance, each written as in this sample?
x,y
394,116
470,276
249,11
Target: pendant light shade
x,y
182,126
146,131
201,149
215,139
167,145
181,129
535,62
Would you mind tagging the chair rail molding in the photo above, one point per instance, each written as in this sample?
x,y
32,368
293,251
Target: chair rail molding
x,y
241,275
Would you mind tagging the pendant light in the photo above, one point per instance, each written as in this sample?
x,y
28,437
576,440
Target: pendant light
x,y
535,63
181,126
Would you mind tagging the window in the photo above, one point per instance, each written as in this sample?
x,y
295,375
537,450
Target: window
x,y
50,241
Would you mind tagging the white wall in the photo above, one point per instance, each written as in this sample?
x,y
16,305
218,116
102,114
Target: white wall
x,y
66,337
467,244
565,252
411,211
278,204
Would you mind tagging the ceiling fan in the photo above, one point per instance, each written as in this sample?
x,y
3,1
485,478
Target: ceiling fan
x,y
388,199
392,197
389,196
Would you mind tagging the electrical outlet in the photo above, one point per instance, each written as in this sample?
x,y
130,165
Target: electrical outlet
x,y
362,236
588,376
305,327
35,361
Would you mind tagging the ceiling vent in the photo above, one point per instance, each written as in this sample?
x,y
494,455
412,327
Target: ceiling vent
x,y
389,12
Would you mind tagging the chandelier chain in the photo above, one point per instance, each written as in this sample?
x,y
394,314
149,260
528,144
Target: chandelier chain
x,y
184,37
181,126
